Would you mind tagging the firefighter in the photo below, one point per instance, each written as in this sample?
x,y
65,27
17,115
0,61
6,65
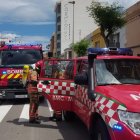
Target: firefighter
x,y
32,80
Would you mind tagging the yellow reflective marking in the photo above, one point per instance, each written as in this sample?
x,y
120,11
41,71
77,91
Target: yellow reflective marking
x,y
10,76
3,76
17,75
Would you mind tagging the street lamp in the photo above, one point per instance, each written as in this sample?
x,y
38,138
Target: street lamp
x,y
72,2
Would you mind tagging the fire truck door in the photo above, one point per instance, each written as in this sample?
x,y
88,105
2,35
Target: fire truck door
x,y
57,84
80,98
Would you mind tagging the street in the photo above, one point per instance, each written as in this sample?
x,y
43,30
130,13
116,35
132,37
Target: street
x,y
14,124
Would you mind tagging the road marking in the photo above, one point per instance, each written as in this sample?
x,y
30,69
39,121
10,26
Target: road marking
x,y
4,109
24,116
50,108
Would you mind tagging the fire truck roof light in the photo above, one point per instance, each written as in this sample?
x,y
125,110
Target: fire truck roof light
x,y
110,51
27,44
10,47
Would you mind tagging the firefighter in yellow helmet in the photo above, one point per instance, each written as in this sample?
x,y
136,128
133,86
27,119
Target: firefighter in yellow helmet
x,y
31,83
25,74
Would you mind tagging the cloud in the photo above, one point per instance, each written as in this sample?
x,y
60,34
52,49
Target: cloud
x,y
36,23
128,3
124,3
44,40
9,35
37,39
27,11
37,12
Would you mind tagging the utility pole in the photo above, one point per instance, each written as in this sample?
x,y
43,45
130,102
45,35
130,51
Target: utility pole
x,y
72,2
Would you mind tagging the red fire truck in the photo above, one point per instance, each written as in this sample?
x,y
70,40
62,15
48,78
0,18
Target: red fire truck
x,y
102,89
12,60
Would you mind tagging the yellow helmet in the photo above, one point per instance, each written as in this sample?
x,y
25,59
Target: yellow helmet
x,y
26,68
25,74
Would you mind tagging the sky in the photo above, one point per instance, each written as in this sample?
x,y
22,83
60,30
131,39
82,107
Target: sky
x,y
33,20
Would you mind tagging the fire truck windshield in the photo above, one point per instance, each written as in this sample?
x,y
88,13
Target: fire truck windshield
x,y
20,57
118,71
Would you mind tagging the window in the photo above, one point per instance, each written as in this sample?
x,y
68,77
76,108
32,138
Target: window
x,y
118,71
70,70
82,66
97,44
59,8
58,45
58,37
58,19
70,54
58,28
17,57
57,69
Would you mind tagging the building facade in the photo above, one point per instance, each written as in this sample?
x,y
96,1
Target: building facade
x,y
53,44
97,39
132,28
73,22
58,28
118,39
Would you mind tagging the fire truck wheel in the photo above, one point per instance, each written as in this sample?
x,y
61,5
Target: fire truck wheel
x,y
99,131
68,115
0,101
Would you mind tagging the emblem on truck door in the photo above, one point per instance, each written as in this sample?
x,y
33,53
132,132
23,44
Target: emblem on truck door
x,y
14,71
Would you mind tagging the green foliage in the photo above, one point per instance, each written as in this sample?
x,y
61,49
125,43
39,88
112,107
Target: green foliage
x,y
108,17
80,47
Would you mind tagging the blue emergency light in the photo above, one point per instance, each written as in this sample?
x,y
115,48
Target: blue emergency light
x,y
4,72
117,127
10,47
110,51
25,44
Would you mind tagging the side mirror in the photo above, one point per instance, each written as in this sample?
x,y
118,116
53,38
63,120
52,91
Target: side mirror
x,y
91,94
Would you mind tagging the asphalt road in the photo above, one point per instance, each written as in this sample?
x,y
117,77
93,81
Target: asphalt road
x,y
14,124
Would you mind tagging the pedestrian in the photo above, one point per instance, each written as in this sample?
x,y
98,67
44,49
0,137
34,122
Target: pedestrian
x,y
32,80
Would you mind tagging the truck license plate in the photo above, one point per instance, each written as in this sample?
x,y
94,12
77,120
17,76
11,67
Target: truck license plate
x,y
21,96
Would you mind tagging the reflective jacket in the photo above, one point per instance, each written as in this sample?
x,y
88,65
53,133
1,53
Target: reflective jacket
x,y
32,81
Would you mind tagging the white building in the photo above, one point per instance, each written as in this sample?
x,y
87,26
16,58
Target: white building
x,y
119,38
73,22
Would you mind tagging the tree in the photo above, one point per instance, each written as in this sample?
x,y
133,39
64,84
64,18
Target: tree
x,y
80,47
108,17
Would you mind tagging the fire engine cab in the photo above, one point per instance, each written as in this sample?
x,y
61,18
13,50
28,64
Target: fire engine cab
x,y
102,89
12,60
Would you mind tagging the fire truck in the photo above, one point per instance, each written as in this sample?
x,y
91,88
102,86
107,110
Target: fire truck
x,y
12,60
102,89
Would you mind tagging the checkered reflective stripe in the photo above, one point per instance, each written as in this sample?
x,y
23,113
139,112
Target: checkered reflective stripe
x,y
106,107
57,87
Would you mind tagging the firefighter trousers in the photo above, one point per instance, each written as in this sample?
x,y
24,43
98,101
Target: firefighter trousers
x,y
34,103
